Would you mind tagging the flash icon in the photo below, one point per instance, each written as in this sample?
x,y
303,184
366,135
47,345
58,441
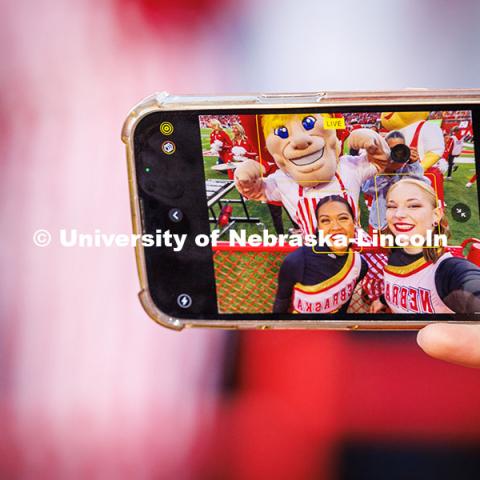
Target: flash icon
x,y
184,300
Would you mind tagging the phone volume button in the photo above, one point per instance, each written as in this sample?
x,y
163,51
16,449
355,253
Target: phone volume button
x,y
296,98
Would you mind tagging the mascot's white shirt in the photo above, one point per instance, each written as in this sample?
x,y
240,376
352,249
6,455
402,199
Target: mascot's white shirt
x,y
301,202
411,288
430,138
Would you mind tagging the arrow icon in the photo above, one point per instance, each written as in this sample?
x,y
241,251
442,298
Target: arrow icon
x,y
175,215
461,212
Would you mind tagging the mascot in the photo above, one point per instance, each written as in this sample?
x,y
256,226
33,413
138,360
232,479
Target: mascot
x,y
309,168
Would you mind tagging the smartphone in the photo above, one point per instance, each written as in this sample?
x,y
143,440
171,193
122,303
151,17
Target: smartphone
x,y
313,210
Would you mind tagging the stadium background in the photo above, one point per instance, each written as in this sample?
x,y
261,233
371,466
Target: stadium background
x,y
246,278
90,387
465,169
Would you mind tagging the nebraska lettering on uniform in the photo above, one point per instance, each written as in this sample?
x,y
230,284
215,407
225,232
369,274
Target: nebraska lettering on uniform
x,y
410,288
327,305
410,299
332,294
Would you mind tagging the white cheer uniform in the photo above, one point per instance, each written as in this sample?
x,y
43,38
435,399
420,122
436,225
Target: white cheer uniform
x,y
411,288
330,295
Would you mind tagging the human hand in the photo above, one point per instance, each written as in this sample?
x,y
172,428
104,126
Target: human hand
x,y
414,155
453,343
377,307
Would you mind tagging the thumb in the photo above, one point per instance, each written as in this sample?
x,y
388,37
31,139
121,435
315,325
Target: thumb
x,y
458,344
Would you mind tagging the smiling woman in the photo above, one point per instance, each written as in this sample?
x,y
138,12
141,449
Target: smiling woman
x,y
412,210
322,279
424,279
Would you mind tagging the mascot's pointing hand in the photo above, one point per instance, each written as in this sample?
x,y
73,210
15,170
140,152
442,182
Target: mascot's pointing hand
x,y
375,145
248,180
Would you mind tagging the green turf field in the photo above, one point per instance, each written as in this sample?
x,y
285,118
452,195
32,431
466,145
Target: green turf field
x,y
455,192
256,209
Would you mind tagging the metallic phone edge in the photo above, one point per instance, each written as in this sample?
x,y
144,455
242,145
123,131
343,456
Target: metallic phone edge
x,y
162,101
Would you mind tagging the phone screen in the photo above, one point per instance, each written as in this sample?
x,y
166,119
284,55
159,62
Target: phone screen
x,y
319,214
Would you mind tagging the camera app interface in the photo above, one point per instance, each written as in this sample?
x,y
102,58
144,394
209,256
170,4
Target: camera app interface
x,y
325,213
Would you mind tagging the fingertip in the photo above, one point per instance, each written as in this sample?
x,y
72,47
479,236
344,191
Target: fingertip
x,y
438,338
451,342
423,336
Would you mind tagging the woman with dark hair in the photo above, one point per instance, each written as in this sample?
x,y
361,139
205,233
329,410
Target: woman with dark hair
x,y
426,278
321,279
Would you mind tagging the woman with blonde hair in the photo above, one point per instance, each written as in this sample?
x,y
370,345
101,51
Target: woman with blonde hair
x,y
420,278
220,142
242,150
242,147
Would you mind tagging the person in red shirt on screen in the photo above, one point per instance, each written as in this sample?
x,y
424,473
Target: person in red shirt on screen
x,y
220,142
448,154
242,147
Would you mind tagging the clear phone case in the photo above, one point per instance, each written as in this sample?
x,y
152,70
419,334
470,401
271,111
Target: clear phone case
x,y
165,102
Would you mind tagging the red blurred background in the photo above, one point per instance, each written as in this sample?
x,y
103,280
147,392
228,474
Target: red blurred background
x,y
89,387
